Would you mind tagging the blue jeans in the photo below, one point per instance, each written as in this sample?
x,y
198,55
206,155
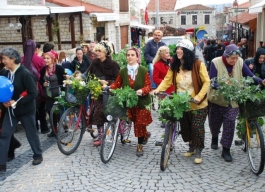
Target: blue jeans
x,y
150,70
29,124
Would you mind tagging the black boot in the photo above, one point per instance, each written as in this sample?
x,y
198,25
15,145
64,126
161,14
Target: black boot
x,y
226,155
2,168
214,144
14,144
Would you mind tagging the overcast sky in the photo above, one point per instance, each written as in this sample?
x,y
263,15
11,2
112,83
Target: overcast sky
x,y
183,3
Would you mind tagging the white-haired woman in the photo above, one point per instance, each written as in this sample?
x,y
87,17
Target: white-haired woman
x,y
161,63
106,70
25,109
189,74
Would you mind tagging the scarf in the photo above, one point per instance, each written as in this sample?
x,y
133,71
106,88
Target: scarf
x,y
132,70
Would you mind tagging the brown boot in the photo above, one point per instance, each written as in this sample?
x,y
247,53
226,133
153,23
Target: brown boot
x,y
139,150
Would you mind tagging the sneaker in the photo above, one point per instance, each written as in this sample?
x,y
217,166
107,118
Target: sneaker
x,y
37,161
146,138
139,150
190,152
198,157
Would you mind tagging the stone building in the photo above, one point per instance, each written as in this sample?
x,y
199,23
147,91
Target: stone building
x,y
258,7
197,16
67,23
166,14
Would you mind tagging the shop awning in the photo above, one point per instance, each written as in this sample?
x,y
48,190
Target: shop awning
x,y
142,26
257,8
67,9
105,16
17,10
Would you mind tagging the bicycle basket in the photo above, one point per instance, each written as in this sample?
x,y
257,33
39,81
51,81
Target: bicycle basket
x,y
168,117
112,107
252,109
71,97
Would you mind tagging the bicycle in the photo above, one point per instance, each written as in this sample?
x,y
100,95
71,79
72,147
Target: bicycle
x,y
253,137
72,126
116,125
56,113
172,131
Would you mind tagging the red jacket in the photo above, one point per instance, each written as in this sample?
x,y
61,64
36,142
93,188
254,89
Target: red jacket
x,y
159,73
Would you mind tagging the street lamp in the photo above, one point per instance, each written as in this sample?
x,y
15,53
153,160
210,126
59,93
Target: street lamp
x,y
235,6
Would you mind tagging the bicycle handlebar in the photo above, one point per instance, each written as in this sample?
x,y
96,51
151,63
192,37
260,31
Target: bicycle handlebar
x,y
164,94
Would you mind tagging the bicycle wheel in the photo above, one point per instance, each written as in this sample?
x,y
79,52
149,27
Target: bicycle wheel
x,y
55,115
166,146
108,142
70,131
255,147
127,126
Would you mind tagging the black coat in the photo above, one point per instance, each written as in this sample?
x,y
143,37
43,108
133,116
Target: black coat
x,y
23,80
75,65
59,71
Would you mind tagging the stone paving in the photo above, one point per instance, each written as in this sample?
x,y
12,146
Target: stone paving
x,y
84,171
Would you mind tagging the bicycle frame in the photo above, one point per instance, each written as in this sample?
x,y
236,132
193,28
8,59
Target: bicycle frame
x,y
82,110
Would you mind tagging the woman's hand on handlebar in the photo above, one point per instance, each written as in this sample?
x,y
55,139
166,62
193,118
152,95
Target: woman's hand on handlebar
x,y
196,100
154,92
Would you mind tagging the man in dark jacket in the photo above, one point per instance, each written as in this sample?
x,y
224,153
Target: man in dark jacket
x,y
207,54
23,111
151,48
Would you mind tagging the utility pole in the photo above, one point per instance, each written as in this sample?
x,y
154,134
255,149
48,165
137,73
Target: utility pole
x,y
157,16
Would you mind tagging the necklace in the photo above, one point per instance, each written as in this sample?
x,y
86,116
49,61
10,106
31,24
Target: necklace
x,y
50,71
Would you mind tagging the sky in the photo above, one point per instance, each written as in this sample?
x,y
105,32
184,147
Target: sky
x,y
183,3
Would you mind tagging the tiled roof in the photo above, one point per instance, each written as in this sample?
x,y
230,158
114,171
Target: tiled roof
x,y
164,5
89,8
244,5
243,18
196,7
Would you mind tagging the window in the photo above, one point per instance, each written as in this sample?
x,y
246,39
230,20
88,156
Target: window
x,y
183,19
170,20
206,19
153,19
194,19
124,6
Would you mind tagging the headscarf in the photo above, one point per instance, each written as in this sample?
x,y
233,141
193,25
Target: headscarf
x,y
257,55
29,49
107,47
232,50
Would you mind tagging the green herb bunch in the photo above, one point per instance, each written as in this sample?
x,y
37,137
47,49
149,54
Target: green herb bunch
x,y
95,87
62,101
238,90
171,109
126,97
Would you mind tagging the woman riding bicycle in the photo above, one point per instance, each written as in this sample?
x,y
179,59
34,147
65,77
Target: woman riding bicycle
x,y
189,74
137,77
106,70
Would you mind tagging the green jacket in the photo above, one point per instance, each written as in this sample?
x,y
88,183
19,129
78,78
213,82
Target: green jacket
x,y
143,101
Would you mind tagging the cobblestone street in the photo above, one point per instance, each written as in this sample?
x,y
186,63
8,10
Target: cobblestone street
x,y
84,171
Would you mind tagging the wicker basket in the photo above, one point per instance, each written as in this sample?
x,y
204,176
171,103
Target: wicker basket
x,y
168,118
252,109
71,97
111,106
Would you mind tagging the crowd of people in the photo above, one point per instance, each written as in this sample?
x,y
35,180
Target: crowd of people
x,y
41,73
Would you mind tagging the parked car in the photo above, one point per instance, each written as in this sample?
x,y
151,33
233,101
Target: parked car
x,y
170,40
